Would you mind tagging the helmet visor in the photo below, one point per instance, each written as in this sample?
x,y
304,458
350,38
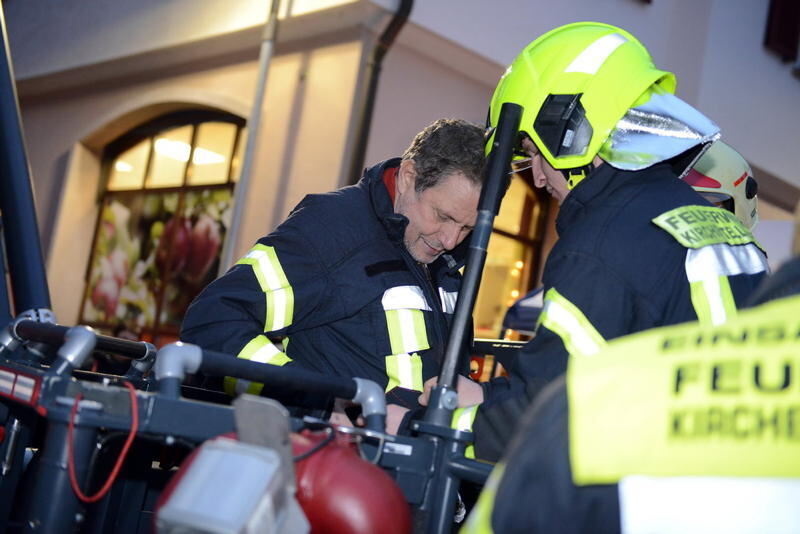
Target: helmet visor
x,y
656,131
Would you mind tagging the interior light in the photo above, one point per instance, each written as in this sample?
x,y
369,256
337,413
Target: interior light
x,y
515,273
122,166
519,264
515,293
180,151
203,156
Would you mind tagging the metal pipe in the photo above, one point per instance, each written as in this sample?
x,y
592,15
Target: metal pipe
x,y
23,249
173,363
374,64
494,187
373,403
284,378
52,505
53,334
269,37
79,342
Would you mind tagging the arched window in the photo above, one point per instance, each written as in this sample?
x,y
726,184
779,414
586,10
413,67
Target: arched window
x,y
164,211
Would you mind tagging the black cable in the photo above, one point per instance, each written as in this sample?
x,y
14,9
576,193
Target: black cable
x,y
319,446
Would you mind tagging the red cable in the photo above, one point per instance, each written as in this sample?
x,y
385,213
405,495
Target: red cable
x,y
73,479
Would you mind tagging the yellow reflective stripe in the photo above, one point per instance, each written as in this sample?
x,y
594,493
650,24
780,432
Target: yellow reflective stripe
x,y
259,349
708,268
480,519
405,371
277,290
462,420
464,417
713,300
406,331
576,332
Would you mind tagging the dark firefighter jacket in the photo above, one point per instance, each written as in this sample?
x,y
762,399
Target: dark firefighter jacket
x,y
624,444
335,284
614,271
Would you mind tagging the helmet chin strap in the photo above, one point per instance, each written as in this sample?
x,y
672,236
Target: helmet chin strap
x,y
575,175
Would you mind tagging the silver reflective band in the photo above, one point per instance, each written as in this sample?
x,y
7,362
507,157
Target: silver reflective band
x,y
722,259
704,505
404,298
449,299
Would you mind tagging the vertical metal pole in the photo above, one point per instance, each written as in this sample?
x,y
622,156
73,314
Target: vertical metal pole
x,y
53,505
443,398
253,126
25,260
5,301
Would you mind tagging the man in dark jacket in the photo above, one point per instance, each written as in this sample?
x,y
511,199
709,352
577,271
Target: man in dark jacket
x,y
359,282
637,248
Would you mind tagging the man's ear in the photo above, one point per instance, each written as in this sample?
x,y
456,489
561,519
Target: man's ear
x,y
406,176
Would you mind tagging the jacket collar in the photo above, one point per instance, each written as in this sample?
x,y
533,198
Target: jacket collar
x,y
601,184
395,223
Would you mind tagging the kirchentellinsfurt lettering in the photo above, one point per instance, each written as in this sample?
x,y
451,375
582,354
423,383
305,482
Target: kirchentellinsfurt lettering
x,y
739,422
748,398
699,225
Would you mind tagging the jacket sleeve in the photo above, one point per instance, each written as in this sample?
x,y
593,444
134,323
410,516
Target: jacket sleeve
x,y
585,304
275,289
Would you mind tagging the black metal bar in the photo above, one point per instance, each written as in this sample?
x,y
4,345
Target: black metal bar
x,y
383,45
440,502
25,260
5,301
494,187
53,334
52,505
285,378
471,470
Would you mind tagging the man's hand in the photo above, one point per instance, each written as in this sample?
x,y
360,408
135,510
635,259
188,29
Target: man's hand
x,y
469,391
394,416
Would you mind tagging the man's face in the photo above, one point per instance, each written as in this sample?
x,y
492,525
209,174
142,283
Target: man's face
x,y
440,217
544,175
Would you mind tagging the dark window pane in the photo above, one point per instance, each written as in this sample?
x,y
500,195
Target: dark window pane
x,y
782,34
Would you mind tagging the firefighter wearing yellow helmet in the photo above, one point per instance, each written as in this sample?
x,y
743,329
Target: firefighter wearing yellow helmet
x,y
637,247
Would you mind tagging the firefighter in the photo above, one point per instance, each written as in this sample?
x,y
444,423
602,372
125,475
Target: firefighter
x,y
359,282
697,434
637,247
724,178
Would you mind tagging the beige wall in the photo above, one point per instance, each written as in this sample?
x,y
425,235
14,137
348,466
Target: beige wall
x,y
305,122
416,89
